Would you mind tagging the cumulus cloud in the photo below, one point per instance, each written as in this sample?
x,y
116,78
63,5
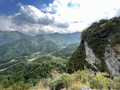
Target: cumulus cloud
x,y
53,7
63,16
34,21
62,25
6,23
32,15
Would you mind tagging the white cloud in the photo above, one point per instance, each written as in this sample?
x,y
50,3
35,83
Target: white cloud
x,y
62,24
53,7
30,14
6,23
61,16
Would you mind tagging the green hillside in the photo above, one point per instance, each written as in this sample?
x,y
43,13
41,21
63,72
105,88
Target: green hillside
x,y
29,59
10,36
26,46
42,43
66,39
98,36
66,52
2,32
31,72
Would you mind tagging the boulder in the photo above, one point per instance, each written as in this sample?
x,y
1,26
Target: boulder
x,y
85,88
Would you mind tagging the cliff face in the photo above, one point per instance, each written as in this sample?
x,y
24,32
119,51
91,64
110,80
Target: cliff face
x,y
110,57
99,49
112,61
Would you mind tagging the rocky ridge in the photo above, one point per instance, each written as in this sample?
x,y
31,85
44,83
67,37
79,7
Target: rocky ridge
x,y
98,49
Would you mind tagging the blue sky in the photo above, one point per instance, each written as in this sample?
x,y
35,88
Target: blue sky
x,y
9,7
49,16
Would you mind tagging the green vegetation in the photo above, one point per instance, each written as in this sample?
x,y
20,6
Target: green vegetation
x,y
66,39
98,35
26,46
5,65
31,72
22,70
77,60
10,36
66,52
43,44
23,67
77,80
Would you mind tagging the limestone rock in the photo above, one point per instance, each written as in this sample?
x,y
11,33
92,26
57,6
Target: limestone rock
x,y
111,60
89,70
90,57
85,88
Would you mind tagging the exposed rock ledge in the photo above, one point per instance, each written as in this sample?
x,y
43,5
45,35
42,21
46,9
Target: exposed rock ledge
x,y
110,57
89,70
111,60
90,57
85,88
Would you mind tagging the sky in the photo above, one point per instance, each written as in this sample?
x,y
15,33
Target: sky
x,y
35,17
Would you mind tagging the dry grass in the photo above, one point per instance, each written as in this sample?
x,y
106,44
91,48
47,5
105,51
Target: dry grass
x,y
117,47
40,86
32,59
3,69
1,88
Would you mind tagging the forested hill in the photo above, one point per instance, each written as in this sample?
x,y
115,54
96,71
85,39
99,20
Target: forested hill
x,y
26,46
35,67
66,39
99,49
9,36
2,32
33,58
41,43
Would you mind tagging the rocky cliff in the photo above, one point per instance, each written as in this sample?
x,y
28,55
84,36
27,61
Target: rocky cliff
x,y
99,49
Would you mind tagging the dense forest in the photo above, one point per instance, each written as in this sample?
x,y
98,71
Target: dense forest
x,y
25,61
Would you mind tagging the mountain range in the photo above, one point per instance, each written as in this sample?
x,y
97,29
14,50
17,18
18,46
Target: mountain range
x,y
31,58
41,43
9,36
26,60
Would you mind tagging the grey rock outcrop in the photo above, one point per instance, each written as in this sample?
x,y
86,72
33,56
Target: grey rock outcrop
x,y
91,58
85,88
111,60
89,70
110,57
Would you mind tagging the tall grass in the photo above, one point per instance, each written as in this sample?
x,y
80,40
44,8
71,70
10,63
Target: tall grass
x,y
77,80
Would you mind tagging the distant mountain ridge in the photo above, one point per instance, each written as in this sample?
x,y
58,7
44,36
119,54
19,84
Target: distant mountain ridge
x,y
9,36
35,57
2,32
41,43
62,39
26,46
66,39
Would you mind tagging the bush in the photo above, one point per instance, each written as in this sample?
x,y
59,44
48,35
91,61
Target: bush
x,y
59,81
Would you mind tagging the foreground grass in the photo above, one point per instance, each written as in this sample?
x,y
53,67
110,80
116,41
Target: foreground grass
x,y
77,80
74,81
